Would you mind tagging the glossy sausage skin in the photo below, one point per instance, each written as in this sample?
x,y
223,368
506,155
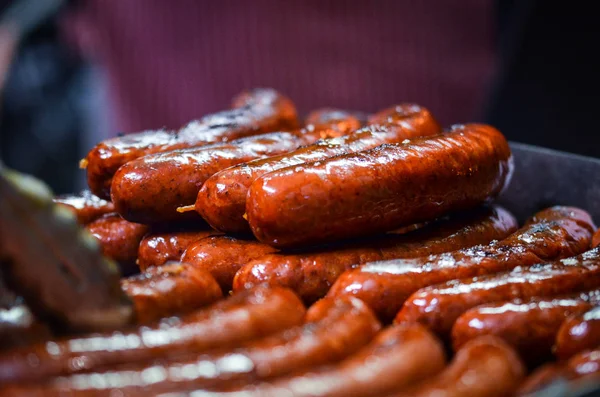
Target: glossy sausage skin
x,y
596,239
86,206
150,189
398,357
223,256
529,326
578,333
556,232
311,274
438,306
241,317
377,190
333,331
119,239
174,288
224,208
485,367
583,367
257,111
158,248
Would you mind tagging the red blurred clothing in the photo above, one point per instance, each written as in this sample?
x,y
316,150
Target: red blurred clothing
x,y
170,61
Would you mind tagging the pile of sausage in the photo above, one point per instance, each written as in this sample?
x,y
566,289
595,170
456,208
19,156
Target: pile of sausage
x,y
338,255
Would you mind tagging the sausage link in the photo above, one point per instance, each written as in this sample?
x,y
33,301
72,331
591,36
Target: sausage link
x,y
174,288
556,232
529,326
377,190
119,239
151,189
339,329
85,206
398,357
223,256
312,274
438,306
242,317
157,248
257,111
582,368
224,209
596,239
578,333
485,367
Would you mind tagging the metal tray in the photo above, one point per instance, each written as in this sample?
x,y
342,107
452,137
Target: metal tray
x,y
543,178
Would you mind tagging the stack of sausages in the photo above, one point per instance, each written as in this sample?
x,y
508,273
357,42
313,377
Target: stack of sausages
x,y
335,255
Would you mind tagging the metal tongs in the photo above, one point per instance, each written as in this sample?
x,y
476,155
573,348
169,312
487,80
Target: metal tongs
x,y
55,265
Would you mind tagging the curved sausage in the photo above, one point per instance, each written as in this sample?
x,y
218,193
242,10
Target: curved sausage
x,y
152,188
398,357
485,367
529,326
85,206
596,239
257,111
377,190
581,368
333,331
119,239
224,209
438,306
223,256
157,248
245,316
556,232
311,274
174,288
578,333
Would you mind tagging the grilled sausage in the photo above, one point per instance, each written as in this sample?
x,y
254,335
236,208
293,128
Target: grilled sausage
x,y
398,357
529,326
119,239
380,189
174,288
312,274
596,239
485,367
334,330
556,232
245,316
257,111
578,333
85,205
223,256
152,188
581,368
438,306
158,248
224,208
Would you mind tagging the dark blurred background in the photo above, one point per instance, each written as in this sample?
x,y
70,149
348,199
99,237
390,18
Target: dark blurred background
x,y
81,71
